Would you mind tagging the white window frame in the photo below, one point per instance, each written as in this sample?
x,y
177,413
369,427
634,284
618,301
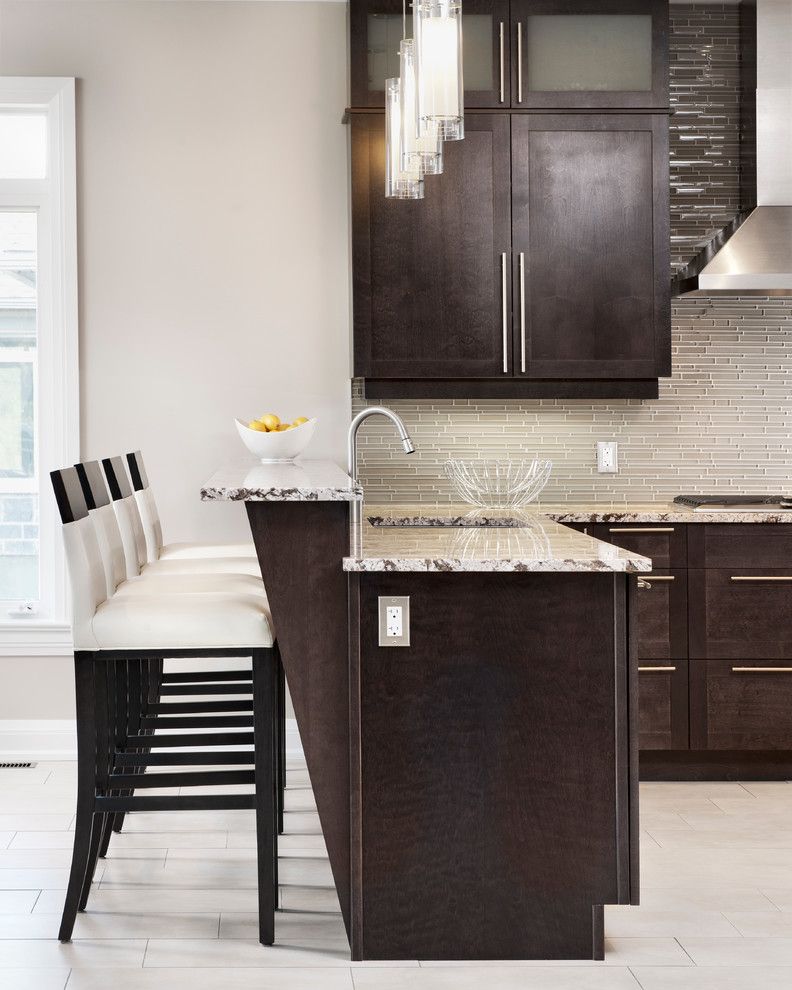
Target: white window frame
x,y
54,199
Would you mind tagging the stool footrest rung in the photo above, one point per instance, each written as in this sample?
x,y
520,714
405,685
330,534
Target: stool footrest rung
x,y
179,739
200,778
241,687
205,676
222,758
177,802
197,722
199,707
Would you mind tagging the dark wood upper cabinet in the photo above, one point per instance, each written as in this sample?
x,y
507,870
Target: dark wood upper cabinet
x,y
608,54
590,245
429,274
530,54
376,30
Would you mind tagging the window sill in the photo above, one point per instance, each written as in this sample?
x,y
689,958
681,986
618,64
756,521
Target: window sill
x,y
34,638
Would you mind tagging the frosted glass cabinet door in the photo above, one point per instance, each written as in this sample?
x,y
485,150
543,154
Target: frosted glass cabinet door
x,y
375,33
609,54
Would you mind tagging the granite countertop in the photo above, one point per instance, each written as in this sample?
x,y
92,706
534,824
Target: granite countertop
x,y
530,541
296,481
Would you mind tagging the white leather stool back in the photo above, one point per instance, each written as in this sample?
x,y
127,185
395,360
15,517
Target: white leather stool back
x,y
127,514
149,514
83,558
101,512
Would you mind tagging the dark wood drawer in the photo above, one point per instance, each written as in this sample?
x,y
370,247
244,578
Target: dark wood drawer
x,y
662,615
739,613
663,705
665,543
740,545
741,704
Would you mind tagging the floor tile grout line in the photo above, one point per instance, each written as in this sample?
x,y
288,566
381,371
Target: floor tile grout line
x,y
38,897
729,922
634,976
676,939
68,978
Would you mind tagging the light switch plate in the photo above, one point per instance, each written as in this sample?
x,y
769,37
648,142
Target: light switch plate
x,y
394,620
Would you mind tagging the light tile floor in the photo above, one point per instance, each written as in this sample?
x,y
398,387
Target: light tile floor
x,y
174,905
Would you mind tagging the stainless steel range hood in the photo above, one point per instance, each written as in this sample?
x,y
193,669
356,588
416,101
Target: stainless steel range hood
x,y
753,255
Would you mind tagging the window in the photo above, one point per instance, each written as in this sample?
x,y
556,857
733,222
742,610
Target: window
x,y
38,346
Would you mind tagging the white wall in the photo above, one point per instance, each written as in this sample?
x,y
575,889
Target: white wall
x,y
213,232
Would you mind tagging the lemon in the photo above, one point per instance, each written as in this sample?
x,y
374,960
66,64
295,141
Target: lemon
x,y
282,427
270,421
254,424
300,420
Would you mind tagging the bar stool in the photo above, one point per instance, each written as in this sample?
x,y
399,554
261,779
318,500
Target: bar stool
x,y
124,632
131,530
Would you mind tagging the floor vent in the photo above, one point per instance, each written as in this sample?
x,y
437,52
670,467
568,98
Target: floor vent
x,y
16,766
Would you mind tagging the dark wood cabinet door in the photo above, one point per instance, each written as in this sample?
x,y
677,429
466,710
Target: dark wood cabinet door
x,y
608,54
429,275
375,33
663,705
740,613
590,243
741,704
740,545
662,615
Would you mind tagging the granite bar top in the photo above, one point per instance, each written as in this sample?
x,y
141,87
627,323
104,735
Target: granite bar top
x,y
529,541
295,481
599,512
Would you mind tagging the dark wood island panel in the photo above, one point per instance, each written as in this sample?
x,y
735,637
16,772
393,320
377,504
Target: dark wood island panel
x,y
494,784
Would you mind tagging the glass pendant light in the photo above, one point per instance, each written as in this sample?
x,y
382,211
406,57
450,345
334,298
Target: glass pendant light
x,y
437,32
400,183
423,152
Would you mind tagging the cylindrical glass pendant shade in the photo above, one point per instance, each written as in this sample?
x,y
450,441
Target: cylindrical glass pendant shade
x,y
423,152
437,32
400,183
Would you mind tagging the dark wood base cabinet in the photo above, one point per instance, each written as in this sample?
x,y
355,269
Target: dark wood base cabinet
x,y
714,633
477,755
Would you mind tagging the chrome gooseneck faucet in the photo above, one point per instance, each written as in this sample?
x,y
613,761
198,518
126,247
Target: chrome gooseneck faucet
x,y
354,426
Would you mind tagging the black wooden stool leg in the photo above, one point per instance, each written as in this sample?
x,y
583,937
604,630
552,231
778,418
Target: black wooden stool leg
x,y
86,789
104,679
264,702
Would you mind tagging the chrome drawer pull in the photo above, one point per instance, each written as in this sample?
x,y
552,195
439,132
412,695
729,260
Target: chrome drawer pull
x,y
647,670
519,62
660,577
647,529
500,52
505,324
762,577
762,670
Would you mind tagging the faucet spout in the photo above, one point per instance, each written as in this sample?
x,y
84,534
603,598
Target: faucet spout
x,y
354,426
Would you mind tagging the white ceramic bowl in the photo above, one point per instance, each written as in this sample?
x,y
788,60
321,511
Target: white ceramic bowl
x,y
270,448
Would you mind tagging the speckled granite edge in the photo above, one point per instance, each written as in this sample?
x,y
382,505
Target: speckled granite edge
x,y
664,516
451,564
244,494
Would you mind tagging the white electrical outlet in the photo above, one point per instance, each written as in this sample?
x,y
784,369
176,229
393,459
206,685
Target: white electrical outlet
x,y
607,457
394,620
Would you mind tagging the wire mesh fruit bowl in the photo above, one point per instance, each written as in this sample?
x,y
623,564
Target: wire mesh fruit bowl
x,y
498,483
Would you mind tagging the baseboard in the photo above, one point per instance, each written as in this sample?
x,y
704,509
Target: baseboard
x,y
38,739
56,739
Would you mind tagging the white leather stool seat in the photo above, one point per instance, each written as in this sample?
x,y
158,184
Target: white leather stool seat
x,y
191,584
181,622
180,551
204,565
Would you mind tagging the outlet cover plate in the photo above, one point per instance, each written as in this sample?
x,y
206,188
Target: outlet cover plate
x,y
386,602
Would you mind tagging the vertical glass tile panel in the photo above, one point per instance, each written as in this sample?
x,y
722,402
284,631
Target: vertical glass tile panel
x,y
23,145
385,33
19,528
589,52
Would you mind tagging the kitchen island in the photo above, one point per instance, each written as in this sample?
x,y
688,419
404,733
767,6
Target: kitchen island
x,y
477,788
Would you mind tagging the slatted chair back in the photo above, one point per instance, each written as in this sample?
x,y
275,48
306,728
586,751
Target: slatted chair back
x,y
108,533
127,514
83,558
147,505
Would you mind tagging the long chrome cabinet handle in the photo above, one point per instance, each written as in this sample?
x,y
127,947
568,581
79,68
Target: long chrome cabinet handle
x,y
761,577
505,322
502,84
653,670
762,670
659,577
636,529
521,260
519,63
